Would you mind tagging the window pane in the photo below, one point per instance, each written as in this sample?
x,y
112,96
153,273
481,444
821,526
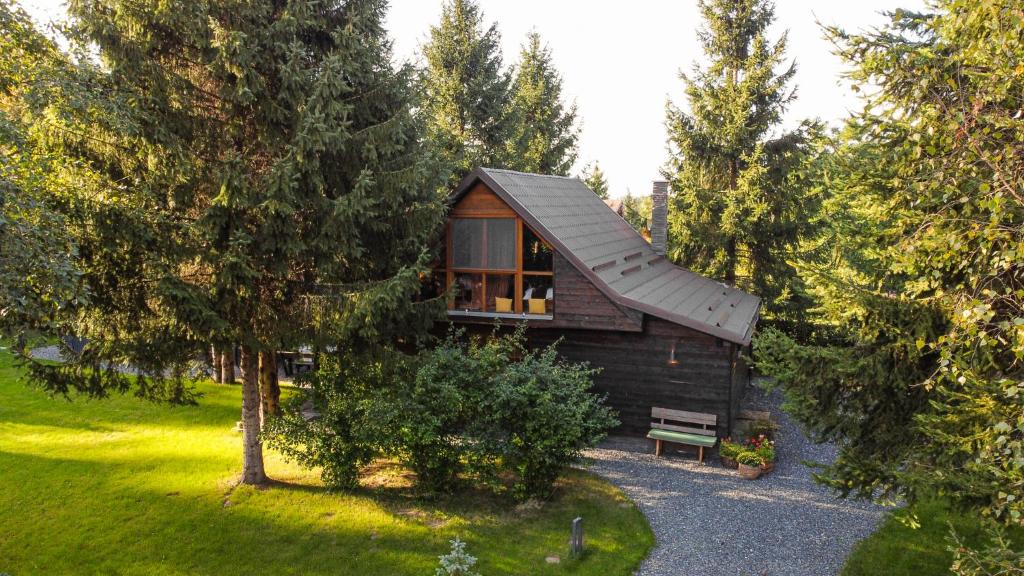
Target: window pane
x,y
469,292
468,243
501,243
537,256
500,296
538,295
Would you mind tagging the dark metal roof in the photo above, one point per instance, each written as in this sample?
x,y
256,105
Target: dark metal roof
x,y
606,249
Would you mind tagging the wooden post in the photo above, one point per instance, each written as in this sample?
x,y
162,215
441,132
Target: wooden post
x,y
576,542
657,448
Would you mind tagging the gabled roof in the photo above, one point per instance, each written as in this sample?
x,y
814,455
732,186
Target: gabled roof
x,y
619,262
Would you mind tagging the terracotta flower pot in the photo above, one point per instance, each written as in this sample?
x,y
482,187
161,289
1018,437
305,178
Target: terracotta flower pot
x,y
749,472
729,463
767,467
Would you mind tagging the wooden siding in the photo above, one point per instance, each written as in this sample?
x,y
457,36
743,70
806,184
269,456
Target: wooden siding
x,y
636,373
579,304
482,202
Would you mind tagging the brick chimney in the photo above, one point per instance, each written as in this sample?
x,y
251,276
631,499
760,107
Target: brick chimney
x,y
659,216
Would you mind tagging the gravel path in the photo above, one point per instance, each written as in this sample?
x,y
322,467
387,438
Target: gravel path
x,y
710,522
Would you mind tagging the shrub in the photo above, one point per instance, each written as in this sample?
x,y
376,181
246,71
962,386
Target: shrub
x,y
538,416
437,405
749,458
340,420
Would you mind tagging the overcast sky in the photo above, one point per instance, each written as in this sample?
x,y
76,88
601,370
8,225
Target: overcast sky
x,y
621,63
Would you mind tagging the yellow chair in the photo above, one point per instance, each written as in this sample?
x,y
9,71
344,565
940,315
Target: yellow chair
x,y
538,306
502,304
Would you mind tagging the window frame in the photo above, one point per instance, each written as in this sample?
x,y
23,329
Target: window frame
x,y
449,271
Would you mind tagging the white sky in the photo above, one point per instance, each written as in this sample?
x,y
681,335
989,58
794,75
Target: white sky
x,y
621,62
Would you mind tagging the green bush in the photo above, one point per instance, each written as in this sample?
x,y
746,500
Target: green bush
x,y
435,407
348,395
538,416
485,410
729,449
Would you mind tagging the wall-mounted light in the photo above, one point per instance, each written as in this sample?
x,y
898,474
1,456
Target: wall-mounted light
x,y
672,360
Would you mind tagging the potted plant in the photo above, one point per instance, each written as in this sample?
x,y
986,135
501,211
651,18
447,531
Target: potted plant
x,y
727,452
749,464
765,448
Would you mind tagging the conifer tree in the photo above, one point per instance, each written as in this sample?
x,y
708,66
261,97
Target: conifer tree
x,y
918,271
736,212
467,94
594,178
545,136
268,187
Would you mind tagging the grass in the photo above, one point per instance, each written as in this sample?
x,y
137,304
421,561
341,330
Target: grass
x,y
896,549
121,486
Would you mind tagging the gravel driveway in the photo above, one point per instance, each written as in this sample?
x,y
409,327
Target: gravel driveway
x,y
710,522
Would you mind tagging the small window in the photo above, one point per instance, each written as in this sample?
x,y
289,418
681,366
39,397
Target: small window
x,y
537,255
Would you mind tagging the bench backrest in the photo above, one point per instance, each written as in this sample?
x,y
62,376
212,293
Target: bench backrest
x,y
681,421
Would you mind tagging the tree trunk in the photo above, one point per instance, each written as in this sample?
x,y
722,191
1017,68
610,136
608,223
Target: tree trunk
x,y
252,447
227,366
216,358
270,389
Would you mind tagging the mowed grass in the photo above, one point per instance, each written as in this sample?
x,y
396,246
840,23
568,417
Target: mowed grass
x,y
896,549
122,486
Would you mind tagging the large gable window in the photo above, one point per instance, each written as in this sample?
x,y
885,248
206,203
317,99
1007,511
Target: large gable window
x,y
484,243
497,266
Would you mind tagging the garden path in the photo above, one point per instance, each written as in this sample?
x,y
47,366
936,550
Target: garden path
x,y
710,522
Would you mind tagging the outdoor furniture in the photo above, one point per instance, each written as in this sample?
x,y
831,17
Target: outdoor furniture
x,y
679,427
295,362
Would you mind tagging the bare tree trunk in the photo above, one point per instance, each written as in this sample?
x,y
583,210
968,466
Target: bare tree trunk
x,y
216,361
227,364
270,389
252,447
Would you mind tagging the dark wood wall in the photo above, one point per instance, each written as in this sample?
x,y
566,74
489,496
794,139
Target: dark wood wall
x,y
637,375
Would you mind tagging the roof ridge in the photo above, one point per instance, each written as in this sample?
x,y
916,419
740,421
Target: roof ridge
x,y
507,171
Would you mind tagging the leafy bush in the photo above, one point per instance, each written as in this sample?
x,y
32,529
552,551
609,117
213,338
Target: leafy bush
x,y
438,403
339,423
538,416
457,562
490,411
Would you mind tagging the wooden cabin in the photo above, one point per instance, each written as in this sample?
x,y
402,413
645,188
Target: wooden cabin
x,y
547,251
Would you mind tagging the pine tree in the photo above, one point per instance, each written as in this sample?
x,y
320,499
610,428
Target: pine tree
x,y
268,187
918,270
468,101
594,178
546,134
736,212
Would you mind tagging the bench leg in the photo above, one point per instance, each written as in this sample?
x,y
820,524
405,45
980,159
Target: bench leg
x,y
657,448
701,457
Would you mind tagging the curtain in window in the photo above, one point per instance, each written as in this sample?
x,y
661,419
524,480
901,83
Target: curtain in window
x,y
501,243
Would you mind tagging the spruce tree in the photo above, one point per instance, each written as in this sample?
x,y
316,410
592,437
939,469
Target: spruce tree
x,y
594,178
546,134
918,271
736,212
467,94
269,187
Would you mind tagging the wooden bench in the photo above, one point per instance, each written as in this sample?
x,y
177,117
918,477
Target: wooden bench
x,y
679,427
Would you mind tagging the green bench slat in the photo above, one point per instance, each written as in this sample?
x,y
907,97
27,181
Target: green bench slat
x,y
682,437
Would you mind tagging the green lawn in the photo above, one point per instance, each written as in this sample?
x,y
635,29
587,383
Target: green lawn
x,y
121,486
896,549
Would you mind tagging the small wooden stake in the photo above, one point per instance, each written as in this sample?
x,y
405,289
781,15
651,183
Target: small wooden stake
x,y
576,542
